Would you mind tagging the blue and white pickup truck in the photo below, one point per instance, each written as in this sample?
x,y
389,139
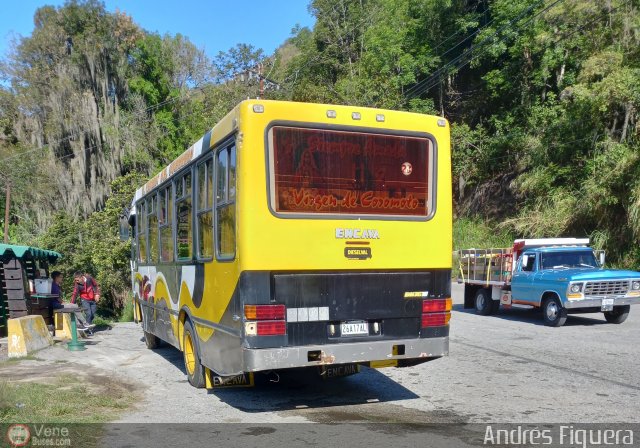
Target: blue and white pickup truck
x,y
560,276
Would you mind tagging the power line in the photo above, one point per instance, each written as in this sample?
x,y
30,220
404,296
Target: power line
x,y
460,31
434,79
428,83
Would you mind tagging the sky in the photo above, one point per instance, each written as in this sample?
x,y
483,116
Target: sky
x,y
215,25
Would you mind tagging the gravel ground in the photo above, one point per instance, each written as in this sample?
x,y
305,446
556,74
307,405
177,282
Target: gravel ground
x,y
3,348
504,368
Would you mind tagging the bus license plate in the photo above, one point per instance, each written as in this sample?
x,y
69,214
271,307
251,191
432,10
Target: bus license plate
x,y
354,329
607,304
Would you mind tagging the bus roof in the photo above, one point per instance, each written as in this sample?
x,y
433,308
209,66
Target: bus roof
x,y
211,137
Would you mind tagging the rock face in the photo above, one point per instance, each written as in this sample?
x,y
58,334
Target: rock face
x,y
68,82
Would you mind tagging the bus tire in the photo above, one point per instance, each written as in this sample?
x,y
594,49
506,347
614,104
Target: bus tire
x,y
618,315
553,313
195,371
483,302
152,341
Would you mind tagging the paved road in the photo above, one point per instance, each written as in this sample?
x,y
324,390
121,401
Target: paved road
x,y
504,368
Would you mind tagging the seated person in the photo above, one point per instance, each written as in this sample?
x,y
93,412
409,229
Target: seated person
x,y
57,303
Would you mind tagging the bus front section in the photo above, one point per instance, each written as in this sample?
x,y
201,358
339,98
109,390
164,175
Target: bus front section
x,y
351,259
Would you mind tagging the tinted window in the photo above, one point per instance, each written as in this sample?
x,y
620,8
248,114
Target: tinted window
x,y
166,225
184,218
205,209
337,172
225,202
153,229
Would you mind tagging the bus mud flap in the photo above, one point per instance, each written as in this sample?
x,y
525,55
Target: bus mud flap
x,y
213,381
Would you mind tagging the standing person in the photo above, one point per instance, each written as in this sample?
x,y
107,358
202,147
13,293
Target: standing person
x,y
56,288
87,289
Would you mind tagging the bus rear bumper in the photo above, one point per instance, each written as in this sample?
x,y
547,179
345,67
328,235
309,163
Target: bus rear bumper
x,y
256,360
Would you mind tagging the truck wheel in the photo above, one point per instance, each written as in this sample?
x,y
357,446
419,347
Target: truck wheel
x,y
618,315
484,304
151,340
554,314
195,371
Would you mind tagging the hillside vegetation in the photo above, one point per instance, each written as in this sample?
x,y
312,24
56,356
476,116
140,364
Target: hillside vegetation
x,y
543,97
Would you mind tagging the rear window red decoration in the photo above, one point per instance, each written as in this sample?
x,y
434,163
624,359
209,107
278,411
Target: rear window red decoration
x,y
338,172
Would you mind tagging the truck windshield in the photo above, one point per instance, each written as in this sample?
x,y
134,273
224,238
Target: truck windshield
x,y
559,260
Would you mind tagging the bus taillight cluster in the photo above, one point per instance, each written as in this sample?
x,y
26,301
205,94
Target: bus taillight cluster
x,y
436,312
265,320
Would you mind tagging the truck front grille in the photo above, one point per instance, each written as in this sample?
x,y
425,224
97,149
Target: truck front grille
x,y
611,288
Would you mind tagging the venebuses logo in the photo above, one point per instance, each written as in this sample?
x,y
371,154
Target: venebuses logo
x,y
18,435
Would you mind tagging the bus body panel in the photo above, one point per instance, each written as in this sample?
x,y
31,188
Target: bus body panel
x,y
402,244
299,261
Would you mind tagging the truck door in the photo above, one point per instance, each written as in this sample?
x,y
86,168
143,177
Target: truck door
x,y
522,285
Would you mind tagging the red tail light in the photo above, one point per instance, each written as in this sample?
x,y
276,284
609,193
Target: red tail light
x,y
436,305
264,312
272,328
435,319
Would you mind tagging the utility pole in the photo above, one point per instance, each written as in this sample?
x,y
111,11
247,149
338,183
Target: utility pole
x,y
260,66
6,211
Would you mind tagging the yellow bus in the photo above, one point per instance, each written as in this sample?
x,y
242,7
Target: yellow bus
x,y
297,235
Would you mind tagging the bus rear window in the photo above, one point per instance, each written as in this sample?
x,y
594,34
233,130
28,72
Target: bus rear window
x,y
356,173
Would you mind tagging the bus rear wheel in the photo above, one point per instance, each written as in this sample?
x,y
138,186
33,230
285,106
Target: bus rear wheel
x,y
195,371
151,340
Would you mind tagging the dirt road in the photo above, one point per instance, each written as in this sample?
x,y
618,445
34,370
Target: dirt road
x,y
505,368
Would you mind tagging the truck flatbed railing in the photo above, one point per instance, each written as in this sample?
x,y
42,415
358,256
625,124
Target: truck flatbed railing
x,y
485,266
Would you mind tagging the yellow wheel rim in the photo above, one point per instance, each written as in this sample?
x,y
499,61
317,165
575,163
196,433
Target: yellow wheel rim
x,y
189,354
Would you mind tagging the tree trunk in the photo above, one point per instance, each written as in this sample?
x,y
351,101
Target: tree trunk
x,y
625,125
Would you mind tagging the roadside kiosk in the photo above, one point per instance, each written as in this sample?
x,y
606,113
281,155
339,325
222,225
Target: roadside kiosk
x,y
25,285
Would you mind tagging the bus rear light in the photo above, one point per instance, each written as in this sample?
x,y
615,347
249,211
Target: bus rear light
x,y
272,328
435,319
436,305
264,312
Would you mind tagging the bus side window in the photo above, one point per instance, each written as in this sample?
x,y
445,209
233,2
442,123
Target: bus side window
x,y
225,203
142,232
205,212
166,229
152,222
184,232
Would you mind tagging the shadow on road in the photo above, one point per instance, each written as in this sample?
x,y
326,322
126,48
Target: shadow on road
x,y
171,354
303,390
534,316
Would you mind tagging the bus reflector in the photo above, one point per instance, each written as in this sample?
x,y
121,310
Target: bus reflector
x,y
264,312
435,319
272,328
436,305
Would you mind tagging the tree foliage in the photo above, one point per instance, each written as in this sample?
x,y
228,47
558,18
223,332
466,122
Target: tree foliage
x,y
93,244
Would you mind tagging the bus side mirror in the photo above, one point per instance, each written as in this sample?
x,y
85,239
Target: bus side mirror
x,y
124,228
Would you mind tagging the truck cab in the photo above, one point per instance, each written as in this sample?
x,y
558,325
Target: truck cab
x,y
560,277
